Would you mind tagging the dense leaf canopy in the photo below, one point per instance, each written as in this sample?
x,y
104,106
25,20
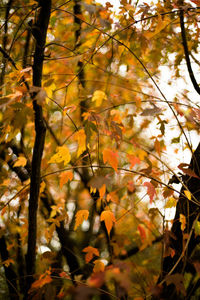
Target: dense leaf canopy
x,y
99,120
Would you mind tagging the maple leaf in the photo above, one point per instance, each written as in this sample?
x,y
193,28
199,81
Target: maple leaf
x,y
21,162
96,279
108,217
151,111
171,202
157,146
43,279
178,280
90,253
182,220
81,215
98,97
184,167
142,232
42,187
63,274
133,160
197,228
102,191
112,196
110,157
80,137
188,194
162,23
62,154
141,154
131,187
65,177
150,190
98,266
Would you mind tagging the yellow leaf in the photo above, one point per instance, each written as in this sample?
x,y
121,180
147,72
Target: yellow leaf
x,y
182,220
162,23
62,154
98,97
108,217
21,162
65,176
98,266
171,202
80,137
93,189
110,157
90,253
102,191
81,215
197,228
187,194
42,187
141,154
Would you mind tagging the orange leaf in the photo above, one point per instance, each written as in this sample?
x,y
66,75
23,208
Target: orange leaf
x,y
21,162
96,280
65,176
110,157
102,191
157,146
150,190
43,279
98,266
108,217
80,137
90,252
63,274
81,215
133,160
113,197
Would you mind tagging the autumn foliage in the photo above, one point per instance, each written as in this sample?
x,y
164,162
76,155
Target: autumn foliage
x,y
99,176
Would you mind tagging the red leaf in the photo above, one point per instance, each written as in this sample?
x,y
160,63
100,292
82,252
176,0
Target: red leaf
x,y
150,190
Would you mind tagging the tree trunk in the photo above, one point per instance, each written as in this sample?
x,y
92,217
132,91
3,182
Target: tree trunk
x,y
182,241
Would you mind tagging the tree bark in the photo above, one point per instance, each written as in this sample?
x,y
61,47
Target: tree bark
x,y
183,259
40,26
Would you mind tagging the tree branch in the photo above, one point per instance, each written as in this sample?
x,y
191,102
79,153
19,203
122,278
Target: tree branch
x,y
186,51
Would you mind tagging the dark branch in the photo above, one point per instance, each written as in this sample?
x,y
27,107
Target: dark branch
x,y
186,51
7,56
42,24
